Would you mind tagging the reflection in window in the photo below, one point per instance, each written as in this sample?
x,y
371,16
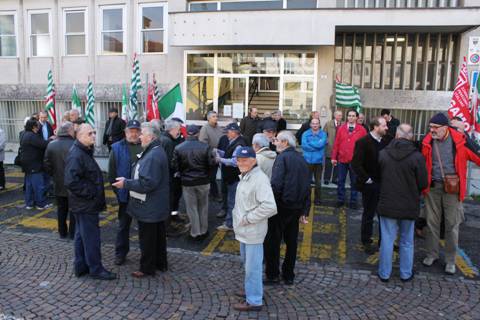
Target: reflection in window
x,y
301,4
256,63
153,28
298,99
299,63
200,63
40,35
230,91
112,30
75,32
252,5
199,97
204,6
8,39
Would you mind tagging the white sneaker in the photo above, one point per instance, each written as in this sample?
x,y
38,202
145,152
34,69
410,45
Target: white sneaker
x,y
44,207
428,261
450,268
28,207
224,227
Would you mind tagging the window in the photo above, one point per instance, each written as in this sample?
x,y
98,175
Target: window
x,y
153,19
40,37
301,4
8,38
252,5
204,6
112,39
75,22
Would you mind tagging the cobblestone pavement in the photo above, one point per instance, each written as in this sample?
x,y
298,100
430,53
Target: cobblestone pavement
x,y
335,278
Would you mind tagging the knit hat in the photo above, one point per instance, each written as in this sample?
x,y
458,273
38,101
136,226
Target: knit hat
x,y
440,119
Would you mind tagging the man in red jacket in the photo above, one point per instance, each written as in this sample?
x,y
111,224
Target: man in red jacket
x,y
342,155
446,153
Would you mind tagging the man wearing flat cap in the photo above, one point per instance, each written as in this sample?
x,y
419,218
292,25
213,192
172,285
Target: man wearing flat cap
x,y
194,160
446,156
230,171
254,204
114,128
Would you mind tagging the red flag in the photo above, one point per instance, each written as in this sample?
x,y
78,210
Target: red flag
x,y
460,100
150,108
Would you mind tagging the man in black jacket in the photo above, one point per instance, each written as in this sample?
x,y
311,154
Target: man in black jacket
x,y
86,197
291,189
403,166
249,124
33,149
194,160
392,124
54,164
365,166
230,170
114,129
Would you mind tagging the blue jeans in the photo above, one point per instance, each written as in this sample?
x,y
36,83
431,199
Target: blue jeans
x,y
252,256
343,170
35,190
389,228
231,191
88,255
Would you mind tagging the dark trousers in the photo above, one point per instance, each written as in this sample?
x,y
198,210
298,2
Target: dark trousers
x,y
283,225
122,243
316,171
327,175
213,182
2,175
175,193
35,190
88,255
62,214
370,196
224,195
153,247
343,170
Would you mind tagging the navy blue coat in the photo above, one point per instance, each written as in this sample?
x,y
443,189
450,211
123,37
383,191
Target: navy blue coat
x,y
291,181
153,181
84,181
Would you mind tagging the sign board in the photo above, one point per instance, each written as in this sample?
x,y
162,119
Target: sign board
x,y
474,51
238,110
227,110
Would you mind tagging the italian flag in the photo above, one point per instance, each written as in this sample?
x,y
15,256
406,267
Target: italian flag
x,y
76,104
171,105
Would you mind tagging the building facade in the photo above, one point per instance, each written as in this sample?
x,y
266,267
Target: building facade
x,y
230,55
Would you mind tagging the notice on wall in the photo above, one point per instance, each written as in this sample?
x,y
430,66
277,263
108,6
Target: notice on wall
x,y
238,110
227,110
474,51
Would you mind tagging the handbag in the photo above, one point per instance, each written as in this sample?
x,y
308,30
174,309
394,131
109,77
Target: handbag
x,y
451,182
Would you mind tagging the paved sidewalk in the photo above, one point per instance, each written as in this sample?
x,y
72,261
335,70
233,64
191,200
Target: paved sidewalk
x,y
36,282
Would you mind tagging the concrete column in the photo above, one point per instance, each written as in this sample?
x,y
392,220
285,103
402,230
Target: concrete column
x,y
325,82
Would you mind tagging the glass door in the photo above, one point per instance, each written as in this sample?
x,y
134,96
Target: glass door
x,y
232,95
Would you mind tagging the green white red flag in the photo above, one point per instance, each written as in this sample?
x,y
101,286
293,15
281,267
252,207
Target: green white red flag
x,y
50,101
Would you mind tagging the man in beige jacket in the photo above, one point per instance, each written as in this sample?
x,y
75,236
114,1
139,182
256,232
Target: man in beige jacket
x,y
265,156
254,204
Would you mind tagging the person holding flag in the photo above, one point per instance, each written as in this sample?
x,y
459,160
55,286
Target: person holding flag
x,y
134,87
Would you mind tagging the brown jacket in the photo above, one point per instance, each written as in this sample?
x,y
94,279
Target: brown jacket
x,y
331,131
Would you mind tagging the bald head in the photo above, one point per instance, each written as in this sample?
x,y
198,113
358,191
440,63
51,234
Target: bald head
x,y
404,131
86,135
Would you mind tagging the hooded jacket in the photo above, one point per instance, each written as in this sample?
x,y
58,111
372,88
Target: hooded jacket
x,y
313,146
462,155
265,160
404,176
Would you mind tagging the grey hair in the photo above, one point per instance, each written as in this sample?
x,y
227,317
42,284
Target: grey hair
x,y
65,128
152,129
260,140
277,112
404,131
74,111
210,113
287,136
172,124
158,123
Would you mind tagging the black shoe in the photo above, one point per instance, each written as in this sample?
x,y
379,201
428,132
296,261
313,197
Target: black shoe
x,y
339,204
383,280
204,236
119,261
408,279
195,239
288,282
105,275
63,236
162,269
369,248
79,274
326,182
271,282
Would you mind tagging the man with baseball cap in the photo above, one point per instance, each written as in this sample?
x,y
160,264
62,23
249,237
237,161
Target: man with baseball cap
x,y
230,171
250,225
123,155
114,128
193,160
446,155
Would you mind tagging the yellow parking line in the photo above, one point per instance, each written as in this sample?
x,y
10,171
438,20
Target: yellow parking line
x,y
30,220
342,236
11,204
112,210
219,236
306,246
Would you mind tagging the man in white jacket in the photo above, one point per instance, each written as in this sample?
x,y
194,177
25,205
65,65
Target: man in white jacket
x,y
254,204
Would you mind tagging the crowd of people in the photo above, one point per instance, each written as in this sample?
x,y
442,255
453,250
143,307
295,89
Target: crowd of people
x,y
267,174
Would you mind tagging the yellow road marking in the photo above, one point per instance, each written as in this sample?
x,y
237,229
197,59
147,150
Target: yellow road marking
x,y
112,215
15,174
11,204
322,251
342,236
31,220
41,223
219,236
326,228
306,246
462,264
230,246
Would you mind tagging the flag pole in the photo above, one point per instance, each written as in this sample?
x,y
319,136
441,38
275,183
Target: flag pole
x,y
145,97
